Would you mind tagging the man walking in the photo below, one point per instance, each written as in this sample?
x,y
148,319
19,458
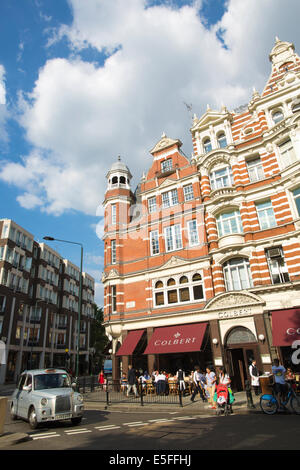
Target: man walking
x,y
197,379
131,381
180,378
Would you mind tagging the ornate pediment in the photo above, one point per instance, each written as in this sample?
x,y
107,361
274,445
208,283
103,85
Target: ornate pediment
x,y
210,118
164,143
113,274
175,261
233,299
167,182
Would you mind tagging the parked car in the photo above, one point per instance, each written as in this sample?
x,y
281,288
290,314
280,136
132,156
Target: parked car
x,y
46,395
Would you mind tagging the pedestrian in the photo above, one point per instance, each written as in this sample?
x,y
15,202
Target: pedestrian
x,y
280,386
101,379
198,385
131,381
254,374
123,383
224,379
211,385
180,379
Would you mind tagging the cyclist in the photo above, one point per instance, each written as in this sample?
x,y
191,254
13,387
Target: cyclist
x,y
280,386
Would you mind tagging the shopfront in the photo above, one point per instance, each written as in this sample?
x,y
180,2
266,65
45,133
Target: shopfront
x,y
286,336
168,348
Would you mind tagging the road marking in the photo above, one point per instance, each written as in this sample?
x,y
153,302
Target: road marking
x,y
107,428
133,422
184,417
44,435
77,431
160,420
137,424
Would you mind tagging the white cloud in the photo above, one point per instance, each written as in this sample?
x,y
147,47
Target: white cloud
x,y
3,106
80,116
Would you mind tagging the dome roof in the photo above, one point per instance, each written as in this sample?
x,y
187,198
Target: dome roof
x,y
119,166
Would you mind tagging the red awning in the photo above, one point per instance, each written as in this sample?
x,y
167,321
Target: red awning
x,y
130,343
285,326
175,339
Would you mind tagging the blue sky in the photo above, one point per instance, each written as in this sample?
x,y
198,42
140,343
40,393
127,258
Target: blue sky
x,y
80,86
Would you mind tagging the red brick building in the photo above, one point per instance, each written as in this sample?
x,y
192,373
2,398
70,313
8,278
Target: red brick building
x,y
202,262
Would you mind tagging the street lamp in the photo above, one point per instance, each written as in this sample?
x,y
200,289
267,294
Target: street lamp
x,y
80,297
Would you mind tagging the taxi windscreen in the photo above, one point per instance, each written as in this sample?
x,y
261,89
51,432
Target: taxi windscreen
x,y
46,381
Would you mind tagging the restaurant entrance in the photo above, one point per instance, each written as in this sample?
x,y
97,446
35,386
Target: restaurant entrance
x,y
241,349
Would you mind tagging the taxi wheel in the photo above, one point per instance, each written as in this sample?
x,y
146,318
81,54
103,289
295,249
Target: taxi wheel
x,y
76,421
13,415
32,418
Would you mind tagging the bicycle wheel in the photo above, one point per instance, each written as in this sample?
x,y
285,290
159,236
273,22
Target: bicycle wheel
x,y
295,404
268,405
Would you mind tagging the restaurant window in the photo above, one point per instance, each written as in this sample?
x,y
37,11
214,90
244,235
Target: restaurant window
x,y
188,192
152,204
237,274
287,152
265,214
207,145
193,233
229,222
222,141
221,178
277,116
277,266
170,198
113,214
154,242
255,169
186,288
173,240
113,252
296,194
166,165
113,299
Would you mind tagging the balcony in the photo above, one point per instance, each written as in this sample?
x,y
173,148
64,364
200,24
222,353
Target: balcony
x,y
233,239
223,193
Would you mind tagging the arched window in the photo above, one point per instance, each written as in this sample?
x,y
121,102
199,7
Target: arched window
x,y
197,277
222,141
237,274
183,280
207,145
171,282
115,180
159,296
122,180
277,116
240,335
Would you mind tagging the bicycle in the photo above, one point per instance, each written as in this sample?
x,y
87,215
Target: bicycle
x,y
269,404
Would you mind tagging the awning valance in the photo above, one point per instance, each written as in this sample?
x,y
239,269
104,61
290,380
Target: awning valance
x,y
130,343
285,326
175,339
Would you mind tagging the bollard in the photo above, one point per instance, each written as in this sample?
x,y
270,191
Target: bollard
x,y
3,406
180,397
250,403
141,392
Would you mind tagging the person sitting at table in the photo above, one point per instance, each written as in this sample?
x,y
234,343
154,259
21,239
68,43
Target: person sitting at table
x,y
160,383
289,374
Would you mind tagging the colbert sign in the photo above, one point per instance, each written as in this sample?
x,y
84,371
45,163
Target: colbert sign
x,y
285,326
176,340
180,338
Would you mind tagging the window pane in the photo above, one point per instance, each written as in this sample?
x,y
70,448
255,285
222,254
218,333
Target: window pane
x,y
159,285
184,294
198,292
183,280
159,298
188,192
171,282
172,296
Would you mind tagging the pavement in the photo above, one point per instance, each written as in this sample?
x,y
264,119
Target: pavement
x,y
91,402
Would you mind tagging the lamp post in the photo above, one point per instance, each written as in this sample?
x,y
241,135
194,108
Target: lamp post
x,y
80,298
